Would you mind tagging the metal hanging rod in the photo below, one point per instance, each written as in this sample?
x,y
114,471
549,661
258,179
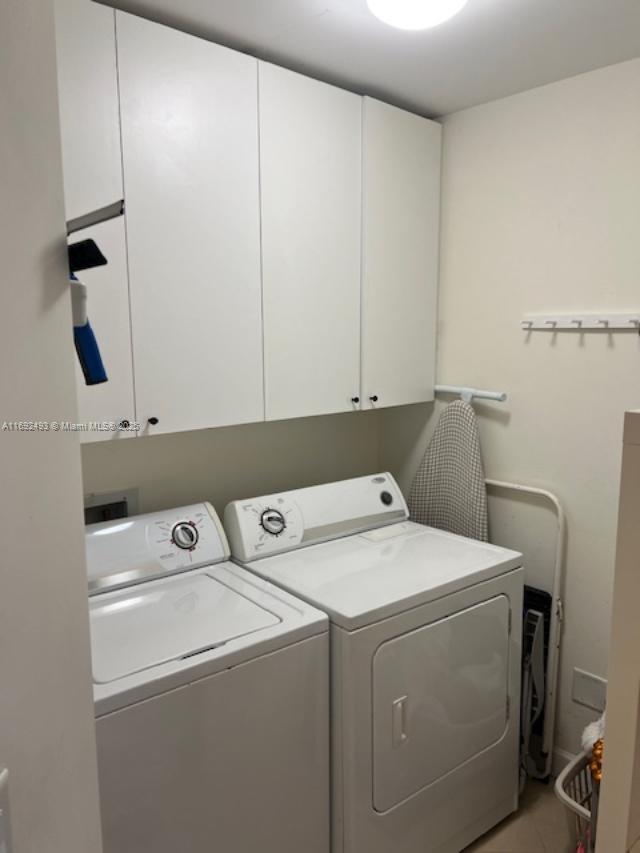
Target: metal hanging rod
x,y
469,394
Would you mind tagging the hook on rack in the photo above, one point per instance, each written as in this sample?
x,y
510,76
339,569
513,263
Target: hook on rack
x,y
582,322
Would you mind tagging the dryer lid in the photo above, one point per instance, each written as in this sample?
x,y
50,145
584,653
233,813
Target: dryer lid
x,y
167,620
371,576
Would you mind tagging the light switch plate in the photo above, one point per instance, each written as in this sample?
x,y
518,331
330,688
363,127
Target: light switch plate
x,y
589,690
5,827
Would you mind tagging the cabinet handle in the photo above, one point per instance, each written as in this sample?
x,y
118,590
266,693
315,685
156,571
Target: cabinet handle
x,y
153,421
355,400
374,398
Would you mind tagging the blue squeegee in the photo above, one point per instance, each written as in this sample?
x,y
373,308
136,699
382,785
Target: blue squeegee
x,y
85,255
85,341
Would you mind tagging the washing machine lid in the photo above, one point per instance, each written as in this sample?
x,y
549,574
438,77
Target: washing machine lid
x,y
370,576
172,619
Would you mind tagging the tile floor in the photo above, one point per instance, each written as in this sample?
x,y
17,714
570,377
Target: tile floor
x,y
539,826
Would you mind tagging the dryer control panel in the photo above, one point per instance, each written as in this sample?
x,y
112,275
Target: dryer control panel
x,y
131,550
263,526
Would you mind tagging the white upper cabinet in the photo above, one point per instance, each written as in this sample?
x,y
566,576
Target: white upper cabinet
x,y
401,215
108,311
310,159
88,99
281,251
189,112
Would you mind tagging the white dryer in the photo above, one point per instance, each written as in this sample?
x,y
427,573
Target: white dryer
x,y
211,694
425,660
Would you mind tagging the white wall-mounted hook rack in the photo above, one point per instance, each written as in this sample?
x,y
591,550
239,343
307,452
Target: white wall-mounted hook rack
x,y
603,321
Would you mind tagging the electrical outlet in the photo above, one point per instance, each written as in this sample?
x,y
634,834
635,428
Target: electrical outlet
x,y
107,506
589,690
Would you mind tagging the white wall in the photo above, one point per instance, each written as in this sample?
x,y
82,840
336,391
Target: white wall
x,y
221,465
46,708
541,212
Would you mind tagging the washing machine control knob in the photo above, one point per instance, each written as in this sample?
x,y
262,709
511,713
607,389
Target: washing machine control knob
x,y
185,535
272,520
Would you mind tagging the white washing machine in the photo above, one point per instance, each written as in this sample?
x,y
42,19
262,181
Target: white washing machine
x,y
211,693
425,660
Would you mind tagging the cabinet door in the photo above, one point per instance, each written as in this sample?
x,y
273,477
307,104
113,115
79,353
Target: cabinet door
x,y
190,154
88,99
108,311
310,150
401,213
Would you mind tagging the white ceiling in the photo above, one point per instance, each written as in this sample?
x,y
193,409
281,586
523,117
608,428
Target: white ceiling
x,y
491,49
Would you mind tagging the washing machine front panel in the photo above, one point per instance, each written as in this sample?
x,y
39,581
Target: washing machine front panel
x,y
237,762
440,697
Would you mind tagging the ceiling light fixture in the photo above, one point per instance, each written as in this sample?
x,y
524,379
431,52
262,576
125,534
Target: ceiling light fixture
x,y
415,14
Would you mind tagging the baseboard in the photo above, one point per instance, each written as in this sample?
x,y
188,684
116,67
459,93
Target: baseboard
x,y
560,760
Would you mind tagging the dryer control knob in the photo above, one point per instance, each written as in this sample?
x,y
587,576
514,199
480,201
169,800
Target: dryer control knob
x,y
272,520
185,535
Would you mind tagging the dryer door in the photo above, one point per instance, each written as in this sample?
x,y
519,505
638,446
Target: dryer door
x,y
440,696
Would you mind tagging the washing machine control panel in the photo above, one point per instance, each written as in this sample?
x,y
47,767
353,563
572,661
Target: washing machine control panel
x,y
262,527
130,550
